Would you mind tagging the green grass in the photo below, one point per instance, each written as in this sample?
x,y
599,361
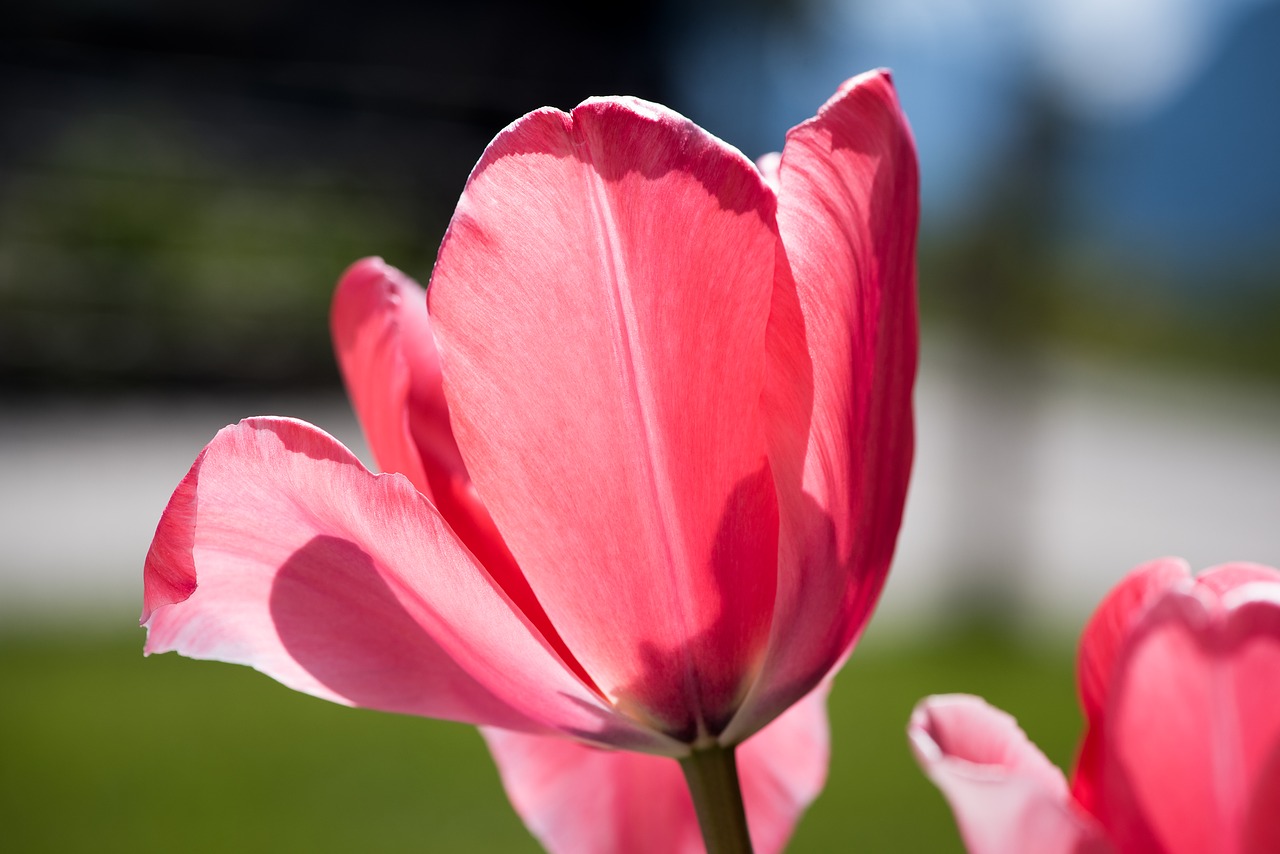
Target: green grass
x,y
102,750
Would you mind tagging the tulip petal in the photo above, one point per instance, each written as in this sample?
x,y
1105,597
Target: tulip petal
x,y
600,301
1100,644
349,586
1192,720
574,797
578,798
1114,621
1006,796
1227,577
843,348
783,769
1251,639
769,165
383,342
389,361
1253,601
1262,825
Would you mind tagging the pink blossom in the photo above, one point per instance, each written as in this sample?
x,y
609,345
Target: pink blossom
x,y
647,445
1180,683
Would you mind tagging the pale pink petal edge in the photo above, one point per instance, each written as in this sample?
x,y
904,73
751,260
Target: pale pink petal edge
x,y
1006,796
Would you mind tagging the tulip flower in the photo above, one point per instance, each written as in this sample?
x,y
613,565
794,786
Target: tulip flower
x,y
1180,683
645,445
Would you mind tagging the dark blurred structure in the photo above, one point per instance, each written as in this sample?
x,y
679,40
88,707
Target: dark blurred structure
x,y
181,184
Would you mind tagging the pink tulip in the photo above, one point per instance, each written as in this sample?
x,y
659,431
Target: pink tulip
x,y
1180,683
650,438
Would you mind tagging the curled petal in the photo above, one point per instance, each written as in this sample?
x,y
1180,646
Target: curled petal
x,y
296,560
574,797
1007,797
842,343
600,301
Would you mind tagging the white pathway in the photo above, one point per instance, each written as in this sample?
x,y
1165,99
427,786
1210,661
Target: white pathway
x,y
1044,485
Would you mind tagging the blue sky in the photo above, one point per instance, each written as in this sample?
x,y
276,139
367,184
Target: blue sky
x,y
1175,103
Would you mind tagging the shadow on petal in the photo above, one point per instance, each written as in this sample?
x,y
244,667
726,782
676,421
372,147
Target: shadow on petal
x,y
590,134
339,619
719,662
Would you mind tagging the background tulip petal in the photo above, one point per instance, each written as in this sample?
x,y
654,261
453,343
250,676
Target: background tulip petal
x,y
574,797
843,350
1114,621
1228,577
349,586
783,768
600,300
1252,640
1192,720
1262,824
579,798
1007,797
1103,637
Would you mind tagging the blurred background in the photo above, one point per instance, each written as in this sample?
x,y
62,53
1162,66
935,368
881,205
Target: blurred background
x,y
182,184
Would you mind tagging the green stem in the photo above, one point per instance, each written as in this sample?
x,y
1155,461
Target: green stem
x,y
712,775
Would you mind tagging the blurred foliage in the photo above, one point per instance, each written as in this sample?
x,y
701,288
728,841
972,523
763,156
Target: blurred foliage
x,y
105,750
181,186
131,253
1009,276
1124,309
